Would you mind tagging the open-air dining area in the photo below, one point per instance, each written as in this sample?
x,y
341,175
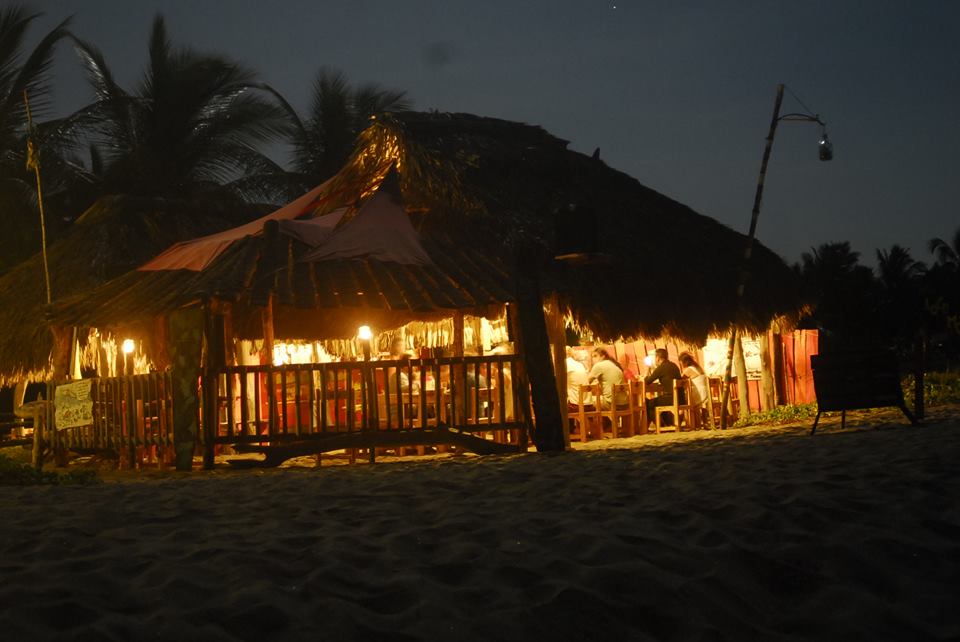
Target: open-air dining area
x,y
277,336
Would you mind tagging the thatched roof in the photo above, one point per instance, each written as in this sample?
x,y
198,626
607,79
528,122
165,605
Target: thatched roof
x,y
477,190
495,186
114,236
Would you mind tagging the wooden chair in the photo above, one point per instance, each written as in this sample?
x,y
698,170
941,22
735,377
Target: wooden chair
x,y
587,416
687,411
672,410
716,400
621,409
638,402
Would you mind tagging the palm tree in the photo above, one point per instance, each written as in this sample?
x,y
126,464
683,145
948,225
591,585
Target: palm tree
x,y
844,292
901,303
21,71
946,253
192,126
897,269
324,139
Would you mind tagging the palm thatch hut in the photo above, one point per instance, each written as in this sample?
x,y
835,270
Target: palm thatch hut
x,y
115,235
505,213
476,190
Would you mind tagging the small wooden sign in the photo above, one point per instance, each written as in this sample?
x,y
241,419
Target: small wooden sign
x,y
73,405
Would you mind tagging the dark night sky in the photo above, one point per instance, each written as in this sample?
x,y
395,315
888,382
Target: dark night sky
x,y
677,94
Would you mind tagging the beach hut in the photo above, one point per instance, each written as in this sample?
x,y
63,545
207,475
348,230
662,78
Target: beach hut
x,y
504,213
115,235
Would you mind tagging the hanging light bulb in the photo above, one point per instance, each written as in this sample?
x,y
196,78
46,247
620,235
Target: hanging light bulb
x,y
826,147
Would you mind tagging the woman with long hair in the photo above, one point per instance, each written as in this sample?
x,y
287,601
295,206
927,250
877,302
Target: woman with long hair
x,y
608,372
692,371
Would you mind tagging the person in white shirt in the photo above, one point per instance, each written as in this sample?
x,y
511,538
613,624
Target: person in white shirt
x,y
692,371
576,377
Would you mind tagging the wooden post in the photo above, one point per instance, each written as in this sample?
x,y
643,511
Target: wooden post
x,y
60,356
548,429
919,366
266,318
748,250
767,397
557,336
185,341
779,371
215,359
458,334
740,365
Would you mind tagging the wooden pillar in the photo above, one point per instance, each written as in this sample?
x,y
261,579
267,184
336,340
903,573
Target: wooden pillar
x,y
215,359
61,353
919,367
548,429
767,397
779,371
458,334
184,348
266,318
557,336
740,367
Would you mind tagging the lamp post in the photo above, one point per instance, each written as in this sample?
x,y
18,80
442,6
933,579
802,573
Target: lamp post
x,y
826,154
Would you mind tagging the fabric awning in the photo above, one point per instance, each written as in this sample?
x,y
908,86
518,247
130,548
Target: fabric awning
x,y
197,254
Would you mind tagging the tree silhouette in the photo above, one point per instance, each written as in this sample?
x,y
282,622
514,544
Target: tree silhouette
x,y
325,136
946,253
192,127
22,71
843,291
901,302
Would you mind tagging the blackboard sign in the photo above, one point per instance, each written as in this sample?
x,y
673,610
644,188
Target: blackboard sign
x,y
851,380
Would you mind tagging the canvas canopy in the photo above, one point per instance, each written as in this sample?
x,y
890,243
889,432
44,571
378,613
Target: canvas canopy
x,y
198,254
380,231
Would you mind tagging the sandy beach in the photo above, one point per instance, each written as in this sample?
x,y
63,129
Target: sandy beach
x,y
753,534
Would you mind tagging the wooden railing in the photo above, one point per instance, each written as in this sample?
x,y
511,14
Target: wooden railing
x,y
304,401
131,415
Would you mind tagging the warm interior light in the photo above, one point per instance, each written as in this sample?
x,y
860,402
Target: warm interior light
x,y
648,361
364,333
128,346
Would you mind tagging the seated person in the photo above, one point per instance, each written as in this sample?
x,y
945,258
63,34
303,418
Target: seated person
x,y
398,353
608,373
576,377
664,373
698,378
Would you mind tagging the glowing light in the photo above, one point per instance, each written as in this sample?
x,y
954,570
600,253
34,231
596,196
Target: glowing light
x,y
128,346
364,333
648,361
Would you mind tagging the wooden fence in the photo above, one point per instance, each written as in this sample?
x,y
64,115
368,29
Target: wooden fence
x,y
132,416
276,404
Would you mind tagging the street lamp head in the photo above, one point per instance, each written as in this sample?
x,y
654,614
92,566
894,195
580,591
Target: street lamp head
x,y
826,147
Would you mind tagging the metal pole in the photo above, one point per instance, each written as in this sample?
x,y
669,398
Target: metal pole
x,y
747,252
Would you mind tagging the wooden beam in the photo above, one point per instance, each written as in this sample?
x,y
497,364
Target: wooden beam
x,y
767,396
266,318
779,370
740,367
549,429
185,344
557,336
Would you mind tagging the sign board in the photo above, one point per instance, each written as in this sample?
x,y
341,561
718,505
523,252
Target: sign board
x,y
73,405
715,356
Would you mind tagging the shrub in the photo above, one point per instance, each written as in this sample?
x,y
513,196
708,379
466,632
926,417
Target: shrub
x,y
938,388
779,415
14,473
